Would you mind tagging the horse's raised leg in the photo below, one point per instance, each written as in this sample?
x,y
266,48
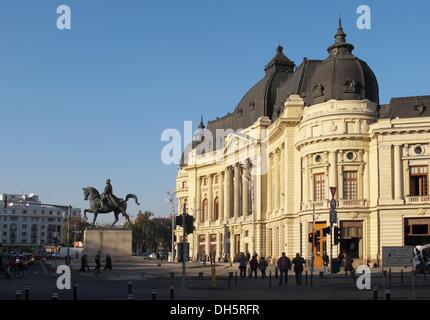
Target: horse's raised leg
x,y
85,214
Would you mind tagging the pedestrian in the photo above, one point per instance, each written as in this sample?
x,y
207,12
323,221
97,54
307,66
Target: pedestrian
x,y
284,264
84,262
242,265
298,262
326,261
248,256
253,264
98,263
108,263
262,264
348,264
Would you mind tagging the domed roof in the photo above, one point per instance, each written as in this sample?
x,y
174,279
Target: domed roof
x,y
342,76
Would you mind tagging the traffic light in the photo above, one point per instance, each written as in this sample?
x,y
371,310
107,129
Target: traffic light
x,y
189,223
311,237
337,234
326,231
318,236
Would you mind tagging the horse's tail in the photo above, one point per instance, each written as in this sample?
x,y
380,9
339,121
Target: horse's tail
x,y
132,196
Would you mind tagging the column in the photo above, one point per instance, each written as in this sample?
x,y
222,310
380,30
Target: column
x,y
245,190
207,244
269,186
282,178
305,176
227,194
221,196
332,175
210,198
366,172
397,173
199,200
236,198
218,246
232,244
277,189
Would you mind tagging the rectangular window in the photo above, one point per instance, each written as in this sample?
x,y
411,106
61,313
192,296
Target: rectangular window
x,y
350,185
418,181
319,187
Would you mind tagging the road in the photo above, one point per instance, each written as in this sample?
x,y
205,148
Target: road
x,y
114,285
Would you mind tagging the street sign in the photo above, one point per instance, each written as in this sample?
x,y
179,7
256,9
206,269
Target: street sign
x,y
397,256
333,191
333,216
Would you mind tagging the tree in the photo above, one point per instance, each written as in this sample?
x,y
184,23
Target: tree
x,y
150,232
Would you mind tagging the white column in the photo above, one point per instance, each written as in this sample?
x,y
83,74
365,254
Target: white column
x,y
210,198
282,178
227,194
269,186
199,211
245,191
397,173
277,189
236,200
366,172
305,176
221,212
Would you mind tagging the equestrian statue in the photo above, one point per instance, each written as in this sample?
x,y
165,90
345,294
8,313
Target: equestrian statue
x,y
107,202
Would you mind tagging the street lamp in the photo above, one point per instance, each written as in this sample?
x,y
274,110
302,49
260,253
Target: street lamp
x,y
171,199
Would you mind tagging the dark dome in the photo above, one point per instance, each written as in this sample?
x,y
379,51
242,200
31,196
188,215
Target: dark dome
x,y
342,76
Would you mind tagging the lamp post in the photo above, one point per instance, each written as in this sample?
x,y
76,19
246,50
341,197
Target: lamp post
x,y
171,199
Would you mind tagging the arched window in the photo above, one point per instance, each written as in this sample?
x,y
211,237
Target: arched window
x,y
216,209
204,209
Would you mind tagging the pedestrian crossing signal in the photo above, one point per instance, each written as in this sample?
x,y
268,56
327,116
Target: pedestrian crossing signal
x,y
326,231
337,234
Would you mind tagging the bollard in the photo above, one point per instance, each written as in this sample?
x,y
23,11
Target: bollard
x,y
18,294
389,274
130,287
306,277
230,275
172,292
401,276
353,276
27,291
270,278
200,275
55,295
388,294
375,293
276,272
154,294
235,278
172,275
75,291
312,279
130,296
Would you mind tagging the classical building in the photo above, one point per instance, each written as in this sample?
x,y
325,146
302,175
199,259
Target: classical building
x,y
311,127
27,223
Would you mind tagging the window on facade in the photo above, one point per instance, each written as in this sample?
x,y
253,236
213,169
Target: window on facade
x,y
204,209
418,180
216,209
184,184
319,187
350,185
205,181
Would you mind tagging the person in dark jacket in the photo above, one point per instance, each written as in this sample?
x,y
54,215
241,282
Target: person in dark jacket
x,y
98,262
348,264
84,263
298,263
284,264
108,263
253,264
262,264
242,265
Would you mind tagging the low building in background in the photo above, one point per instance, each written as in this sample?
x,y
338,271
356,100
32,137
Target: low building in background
x,y
25,222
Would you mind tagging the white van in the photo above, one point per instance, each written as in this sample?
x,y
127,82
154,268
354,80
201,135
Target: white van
x,y
75,253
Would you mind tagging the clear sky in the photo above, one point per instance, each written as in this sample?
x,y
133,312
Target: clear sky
x,y
80,105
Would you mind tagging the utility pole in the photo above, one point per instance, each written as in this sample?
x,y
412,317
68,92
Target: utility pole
x,y
184,242
171,199
69,214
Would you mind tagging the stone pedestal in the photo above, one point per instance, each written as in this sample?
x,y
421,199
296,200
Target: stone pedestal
x,y
116,243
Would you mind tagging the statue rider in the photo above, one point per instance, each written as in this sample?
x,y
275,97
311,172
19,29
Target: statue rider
x,y
108,196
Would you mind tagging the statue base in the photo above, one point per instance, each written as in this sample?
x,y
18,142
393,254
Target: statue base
x,y
116,243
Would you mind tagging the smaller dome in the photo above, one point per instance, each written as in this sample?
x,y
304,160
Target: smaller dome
x,y
342,76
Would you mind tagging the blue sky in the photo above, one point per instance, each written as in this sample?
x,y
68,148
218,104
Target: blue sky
x,y
78,106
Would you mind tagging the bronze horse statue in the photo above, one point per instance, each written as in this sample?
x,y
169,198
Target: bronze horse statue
x,y
97,208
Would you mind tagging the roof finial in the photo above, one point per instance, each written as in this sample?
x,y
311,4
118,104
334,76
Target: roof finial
x,y
340,40
201,125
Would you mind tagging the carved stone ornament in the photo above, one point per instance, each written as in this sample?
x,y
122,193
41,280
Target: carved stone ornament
x,y
317,91
351,86
421,211
420,108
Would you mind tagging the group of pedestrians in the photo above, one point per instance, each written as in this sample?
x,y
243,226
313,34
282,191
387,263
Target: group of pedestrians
x,y
97,260
284,265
